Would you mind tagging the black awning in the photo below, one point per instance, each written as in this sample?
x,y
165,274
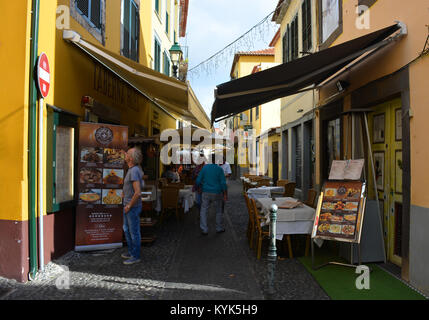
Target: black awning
x,y
287,79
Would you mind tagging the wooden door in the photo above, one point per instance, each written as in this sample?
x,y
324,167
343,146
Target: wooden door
x,y
384,126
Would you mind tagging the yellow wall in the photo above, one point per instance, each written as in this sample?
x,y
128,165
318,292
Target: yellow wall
x,y
243,67
72,76
383,14
14,88
304,101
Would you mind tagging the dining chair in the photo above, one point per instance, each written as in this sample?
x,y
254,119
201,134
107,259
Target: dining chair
x,y
169,201
179,185
282,182
251,222
261,231
289,189
311,198
162,182
263,182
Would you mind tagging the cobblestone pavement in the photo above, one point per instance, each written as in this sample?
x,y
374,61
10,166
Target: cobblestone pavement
x,y
180,265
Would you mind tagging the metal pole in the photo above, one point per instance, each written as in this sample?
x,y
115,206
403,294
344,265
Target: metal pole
x,y
375,184
32,128
41,233
272,251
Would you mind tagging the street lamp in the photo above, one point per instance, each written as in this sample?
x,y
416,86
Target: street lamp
x,y
176,56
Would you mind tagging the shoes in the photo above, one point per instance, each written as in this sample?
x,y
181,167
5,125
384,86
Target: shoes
x,y
132,260
204,233
221,231
126,256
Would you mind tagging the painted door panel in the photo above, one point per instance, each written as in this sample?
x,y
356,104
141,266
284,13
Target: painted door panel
x,y
385,132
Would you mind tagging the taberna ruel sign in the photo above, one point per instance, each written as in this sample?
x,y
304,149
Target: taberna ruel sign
x,y
99,213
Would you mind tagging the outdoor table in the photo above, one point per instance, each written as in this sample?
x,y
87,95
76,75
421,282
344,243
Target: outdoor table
x,y
186,198
263,192
289,221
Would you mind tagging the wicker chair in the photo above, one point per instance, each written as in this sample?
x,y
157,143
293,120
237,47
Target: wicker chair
x,y
251,222
282,182
263,182
289,189
311,198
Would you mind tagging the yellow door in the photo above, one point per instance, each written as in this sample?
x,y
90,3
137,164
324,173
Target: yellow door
x,y
384,125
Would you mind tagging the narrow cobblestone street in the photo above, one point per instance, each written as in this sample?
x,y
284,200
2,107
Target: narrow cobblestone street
x,y
181,265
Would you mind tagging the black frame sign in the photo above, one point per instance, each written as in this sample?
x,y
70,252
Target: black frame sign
x,y
340,211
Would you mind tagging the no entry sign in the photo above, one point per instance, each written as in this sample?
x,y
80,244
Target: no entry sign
x,y
43,75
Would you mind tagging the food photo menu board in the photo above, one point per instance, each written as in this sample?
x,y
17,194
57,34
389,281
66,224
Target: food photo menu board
x,y
101,175
340,211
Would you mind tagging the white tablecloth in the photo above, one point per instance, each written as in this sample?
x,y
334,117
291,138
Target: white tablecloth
x,y
186,199
263,192
289,221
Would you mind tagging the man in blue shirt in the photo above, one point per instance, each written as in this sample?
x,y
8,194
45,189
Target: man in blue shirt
x,y
212,181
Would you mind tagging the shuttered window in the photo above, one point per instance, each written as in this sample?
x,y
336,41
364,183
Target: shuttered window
x,y
131,26
306,26
166,64
294,39
157,6
290,41
91,10
157,55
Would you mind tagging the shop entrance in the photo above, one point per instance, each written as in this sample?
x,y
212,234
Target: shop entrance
x,y
386,138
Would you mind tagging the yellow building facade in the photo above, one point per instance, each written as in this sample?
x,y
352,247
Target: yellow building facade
x,y
93,54
246,159
297,38
390,86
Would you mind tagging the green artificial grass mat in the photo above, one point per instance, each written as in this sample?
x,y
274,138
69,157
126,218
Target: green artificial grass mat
x,y
339,282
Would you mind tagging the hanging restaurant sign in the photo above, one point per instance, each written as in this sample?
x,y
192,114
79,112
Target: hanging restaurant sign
x,y
101,174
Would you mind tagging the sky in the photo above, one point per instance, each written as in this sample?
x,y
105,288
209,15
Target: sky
x,y
211,26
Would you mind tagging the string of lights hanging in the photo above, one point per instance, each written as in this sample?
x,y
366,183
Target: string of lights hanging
x,y
258,33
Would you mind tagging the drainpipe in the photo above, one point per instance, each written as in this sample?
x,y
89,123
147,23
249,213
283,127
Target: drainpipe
x,y
33,140
41,233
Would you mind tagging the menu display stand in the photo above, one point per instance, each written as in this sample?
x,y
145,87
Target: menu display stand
x,y
339,215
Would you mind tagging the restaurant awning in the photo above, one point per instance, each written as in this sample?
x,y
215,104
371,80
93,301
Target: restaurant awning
x,y
171,95
290,78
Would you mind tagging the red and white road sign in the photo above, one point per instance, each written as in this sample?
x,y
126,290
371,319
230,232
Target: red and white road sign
x,y
43,75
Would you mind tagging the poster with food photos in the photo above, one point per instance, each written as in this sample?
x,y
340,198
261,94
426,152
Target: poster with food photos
x,y
101,171
340,210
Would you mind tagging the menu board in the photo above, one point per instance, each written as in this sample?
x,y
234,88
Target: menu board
x,y
340,211
101,172
346,169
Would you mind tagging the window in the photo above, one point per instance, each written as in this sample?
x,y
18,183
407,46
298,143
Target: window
x,y
306,26
61,158
251,115
131,27
285,43
157,55
166,64
333,143
157,6
294,39
331,24
290,41
91,10
167,23
257,112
